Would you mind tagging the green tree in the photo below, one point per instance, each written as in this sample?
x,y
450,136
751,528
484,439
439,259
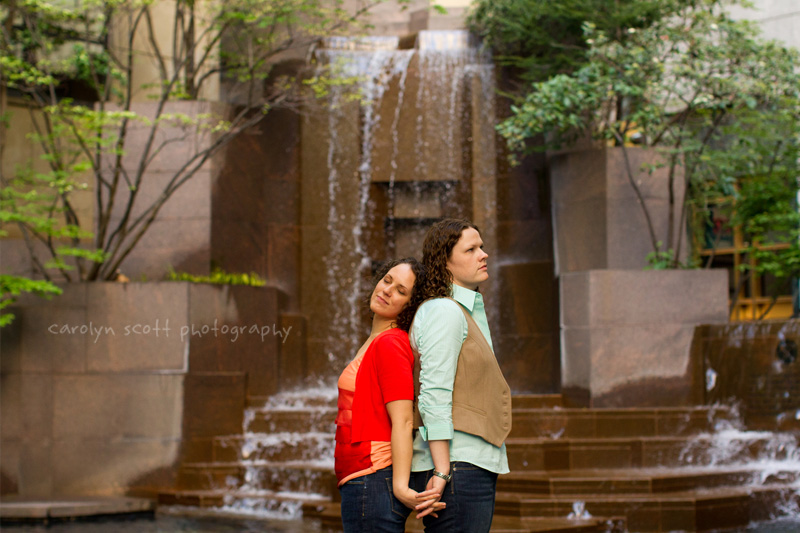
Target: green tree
x,y
74,67
539,39
756,171
681,85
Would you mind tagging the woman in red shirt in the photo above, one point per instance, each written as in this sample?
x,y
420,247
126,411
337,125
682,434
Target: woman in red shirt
x,y
375,420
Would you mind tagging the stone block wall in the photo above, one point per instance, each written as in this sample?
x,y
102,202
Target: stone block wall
x,y
627,335
526,316
240,210
108,386
754,365
598,220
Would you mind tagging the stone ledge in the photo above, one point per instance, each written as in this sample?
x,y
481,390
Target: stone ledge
x,y
23,509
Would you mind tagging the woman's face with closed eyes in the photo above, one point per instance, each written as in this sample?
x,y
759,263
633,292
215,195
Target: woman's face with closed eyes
x,y
393,291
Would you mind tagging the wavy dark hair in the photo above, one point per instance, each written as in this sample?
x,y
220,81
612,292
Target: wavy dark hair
x,y
406,316
436,250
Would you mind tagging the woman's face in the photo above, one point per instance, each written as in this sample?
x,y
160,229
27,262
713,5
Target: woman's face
x,y
393,291
467,261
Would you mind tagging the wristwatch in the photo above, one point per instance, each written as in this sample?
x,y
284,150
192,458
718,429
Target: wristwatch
x,y
446,477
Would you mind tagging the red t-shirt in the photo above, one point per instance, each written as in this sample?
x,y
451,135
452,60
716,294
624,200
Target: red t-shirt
x,y
363,429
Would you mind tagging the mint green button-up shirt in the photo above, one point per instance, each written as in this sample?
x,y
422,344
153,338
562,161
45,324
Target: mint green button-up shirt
x,y
437,334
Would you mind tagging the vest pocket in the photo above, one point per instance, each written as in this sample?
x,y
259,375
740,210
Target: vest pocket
x,y
466,407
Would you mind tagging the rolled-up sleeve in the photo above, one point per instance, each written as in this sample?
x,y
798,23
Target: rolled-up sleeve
x,y
439,331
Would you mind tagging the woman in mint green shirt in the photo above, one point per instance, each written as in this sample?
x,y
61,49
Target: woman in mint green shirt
x,y
462,467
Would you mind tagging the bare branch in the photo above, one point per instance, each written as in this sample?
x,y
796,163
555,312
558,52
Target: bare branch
x,y
162,67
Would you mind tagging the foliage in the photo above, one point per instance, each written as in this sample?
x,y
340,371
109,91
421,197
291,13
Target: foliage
x,y
764,196
75,66
219,277
665,260
23,204
687,85
540,39
13,286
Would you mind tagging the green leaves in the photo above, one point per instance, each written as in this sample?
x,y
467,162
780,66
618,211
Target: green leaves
x,y
219,277
13,286
539,39
695,64
705,90
82,67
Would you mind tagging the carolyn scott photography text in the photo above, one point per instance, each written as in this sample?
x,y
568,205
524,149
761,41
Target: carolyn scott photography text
x,y
161,328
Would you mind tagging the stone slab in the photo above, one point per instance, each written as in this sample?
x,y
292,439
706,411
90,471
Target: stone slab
x,y
625,297
72,507
112,466
181,243
191,200
598,220
627,335
137,315
524,240
108,406
215,404
580,234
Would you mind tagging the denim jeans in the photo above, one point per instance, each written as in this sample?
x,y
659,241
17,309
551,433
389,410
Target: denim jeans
x,y
469,497
368,504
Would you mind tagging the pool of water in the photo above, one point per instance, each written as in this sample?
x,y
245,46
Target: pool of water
x,y
168,524
786,525
206,524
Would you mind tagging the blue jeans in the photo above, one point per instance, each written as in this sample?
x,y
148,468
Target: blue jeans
x,y
469,497
368,504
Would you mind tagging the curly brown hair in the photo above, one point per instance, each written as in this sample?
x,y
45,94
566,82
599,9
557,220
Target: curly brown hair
x,y
436,250
406,316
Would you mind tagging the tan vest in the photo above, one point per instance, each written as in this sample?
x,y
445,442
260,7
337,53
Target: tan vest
x,y
481,396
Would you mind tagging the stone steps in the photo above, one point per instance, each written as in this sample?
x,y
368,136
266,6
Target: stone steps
x,y
295,477
555,423
276,504
658,469
708,509
530,454
330,519
535,422
317,420
640,452
536,401
638,481
273,447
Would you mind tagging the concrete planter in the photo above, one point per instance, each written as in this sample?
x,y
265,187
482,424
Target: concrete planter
x,y
598,222
108,386
626,335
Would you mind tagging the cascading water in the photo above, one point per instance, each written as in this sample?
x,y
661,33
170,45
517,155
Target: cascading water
x,y
765,460
370,153
349,259
744,366
288,463
286,452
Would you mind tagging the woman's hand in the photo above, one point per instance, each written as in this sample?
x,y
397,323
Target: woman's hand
x,y
430,498
410,498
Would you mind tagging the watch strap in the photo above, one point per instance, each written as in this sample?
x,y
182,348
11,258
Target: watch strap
x,y
446,477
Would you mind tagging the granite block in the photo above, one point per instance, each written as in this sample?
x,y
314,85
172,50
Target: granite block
x,y
111,467
109,406
138,326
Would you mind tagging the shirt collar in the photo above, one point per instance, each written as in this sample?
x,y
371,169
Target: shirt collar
x,y
465,296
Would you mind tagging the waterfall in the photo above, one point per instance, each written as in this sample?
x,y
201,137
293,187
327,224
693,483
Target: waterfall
x,y
374,175
374,167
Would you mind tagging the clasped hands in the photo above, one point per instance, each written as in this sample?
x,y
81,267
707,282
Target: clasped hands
x,y
427,502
